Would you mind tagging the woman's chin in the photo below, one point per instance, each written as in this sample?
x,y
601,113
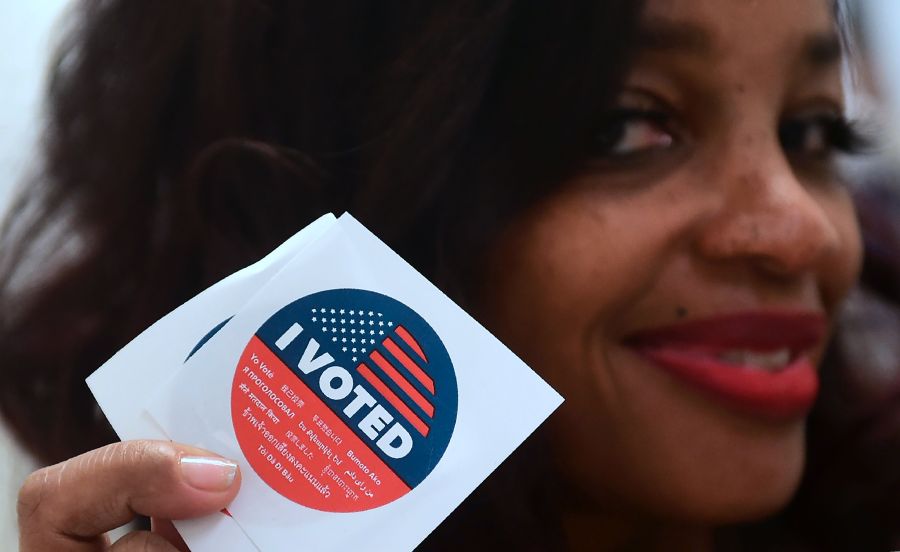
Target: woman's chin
x,y
745,492
723,492
717,511
689,460
682,453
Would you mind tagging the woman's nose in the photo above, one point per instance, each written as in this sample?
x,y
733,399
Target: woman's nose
x,y
768,217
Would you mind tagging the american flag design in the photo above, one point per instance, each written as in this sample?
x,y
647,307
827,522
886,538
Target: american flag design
x,y
375,343
378,375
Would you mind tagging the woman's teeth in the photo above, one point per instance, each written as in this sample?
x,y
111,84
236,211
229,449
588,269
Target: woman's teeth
x,y
754,359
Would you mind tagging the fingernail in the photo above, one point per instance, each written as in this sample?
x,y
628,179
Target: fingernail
x,y
208,474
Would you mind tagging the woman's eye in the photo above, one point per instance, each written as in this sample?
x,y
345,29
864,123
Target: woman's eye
x,y
632,132
819,136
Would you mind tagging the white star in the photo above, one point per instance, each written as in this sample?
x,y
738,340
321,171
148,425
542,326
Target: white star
x,y
333,330
343,320
371,332
353,331
343,330
314,310
371,313
379,314
372,341
332,311
353,349
380,332
363,350
352,340
324,329
354,359
390,323
344,349
334,339
343,339
342,311
353,321
380,323
371,322
313,318
322,310
352,313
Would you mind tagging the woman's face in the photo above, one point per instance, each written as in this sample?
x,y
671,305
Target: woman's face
x,y
679,292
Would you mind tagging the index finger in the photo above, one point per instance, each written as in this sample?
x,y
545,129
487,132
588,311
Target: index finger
x,y
69,506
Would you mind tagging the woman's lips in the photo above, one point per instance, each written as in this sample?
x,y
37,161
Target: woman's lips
x,y
755,361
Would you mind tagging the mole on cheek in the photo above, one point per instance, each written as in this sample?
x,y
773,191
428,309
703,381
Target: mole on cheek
x,y
681,312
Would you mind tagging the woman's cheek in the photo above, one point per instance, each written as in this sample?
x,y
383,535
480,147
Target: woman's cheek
x,y
845,265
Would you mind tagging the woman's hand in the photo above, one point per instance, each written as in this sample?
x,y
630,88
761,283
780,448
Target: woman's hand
x,y
70,506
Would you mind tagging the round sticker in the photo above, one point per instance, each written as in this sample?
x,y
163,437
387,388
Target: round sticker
x,y
344,400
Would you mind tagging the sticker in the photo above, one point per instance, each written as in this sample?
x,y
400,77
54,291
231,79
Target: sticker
x,y
344,400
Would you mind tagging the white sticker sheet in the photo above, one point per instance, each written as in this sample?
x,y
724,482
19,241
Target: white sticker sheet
x,y
360,402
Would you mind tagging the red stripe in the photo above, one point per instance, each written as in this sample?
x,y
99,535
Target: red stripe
x,y
403,383
408,338
409,364
393,399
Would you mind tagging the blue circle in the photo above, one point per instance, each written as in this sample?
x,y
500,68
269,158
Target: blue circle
x,y
375,338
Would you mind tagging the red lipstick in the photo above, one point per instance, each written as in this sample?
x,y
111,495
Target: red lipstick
x,y
757,362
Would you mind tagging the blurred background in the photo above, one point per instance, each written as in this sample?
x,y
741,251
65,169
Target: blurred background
x,y
26,39
880,24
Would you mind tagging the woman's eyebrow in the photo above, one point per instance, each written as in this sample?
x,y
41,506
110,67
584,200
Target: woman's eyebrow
x,y
661,34
822,49
819,49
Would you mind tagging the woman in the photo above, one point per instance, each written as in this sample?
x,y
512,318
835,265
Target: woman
x,y
639,200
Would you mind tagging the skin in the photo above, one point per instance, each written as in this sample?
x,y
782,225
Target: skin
x,y
705,215
68,507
